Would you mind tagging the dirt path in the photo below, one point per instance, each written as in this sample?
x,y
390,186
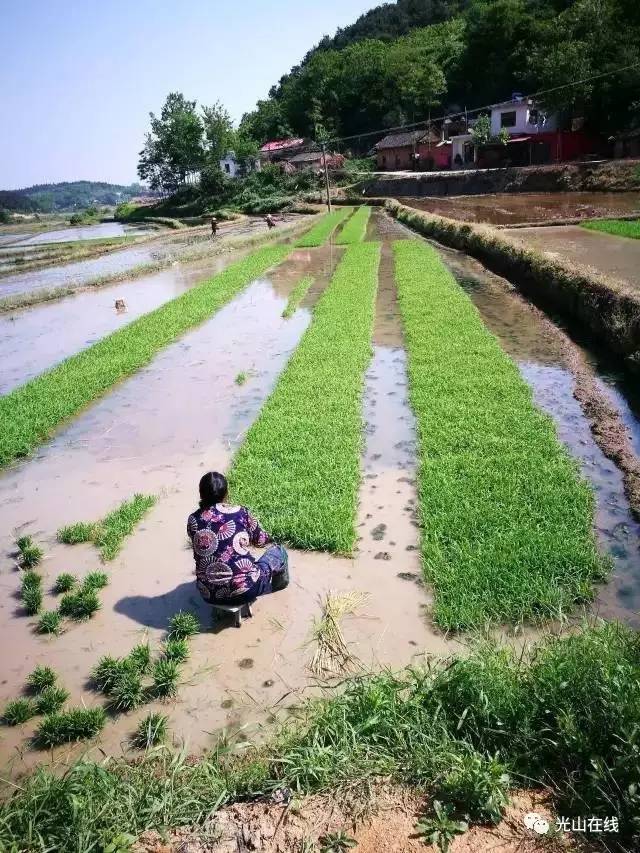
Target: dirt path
x,y
617,257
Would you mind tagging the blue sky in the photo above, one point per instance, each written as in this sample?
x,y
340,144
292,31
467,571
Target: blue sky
x,y
78,78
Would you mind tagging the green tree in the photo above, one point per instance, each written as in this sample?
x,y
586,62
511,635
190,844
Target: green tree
x,y
174,146
218,132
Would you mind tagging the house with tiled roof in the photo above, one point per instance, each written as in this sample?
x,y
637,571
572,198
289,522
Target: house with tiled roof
x,y
280,149
415,150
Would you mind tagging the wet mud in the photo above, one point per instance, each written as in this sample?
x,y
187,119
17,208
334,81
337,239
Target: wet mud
x,y
617,257
592,415
515,208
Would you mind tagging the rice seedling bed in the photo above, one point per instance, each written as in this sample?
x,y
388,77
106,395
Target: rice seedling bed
x,y
355,229
297,295
309,432
506,519
30,414
322,230
617,227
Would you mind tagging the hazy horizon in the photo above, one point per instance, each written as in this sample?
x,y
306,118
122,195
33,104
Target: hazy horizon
x,y
82,80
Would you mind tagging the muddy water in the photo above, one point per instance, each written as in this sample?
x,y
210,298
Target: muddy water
x,y
543,363
157,433
101,231
610,255
34,339
512,208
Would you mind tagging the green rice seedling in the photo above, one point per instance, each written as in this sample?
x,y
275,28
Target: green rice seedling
x,y
31,555
31,579
81,531
618,227
282,468
23,542
32,412
140,658
18,711
68,726
506,519
356,228
241,378
65,582
297,295
322,230
106,672
41,677
109,533
176,649
95,581
151,731
183,624
127,691
80,605
165,678
32,599
50,700
49,622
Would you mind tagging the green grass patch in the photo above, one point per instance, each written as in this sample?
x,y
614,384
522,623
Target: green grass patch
x,y
618,227
322,230
309,432
356,228
109,533
69,726
297,295
564,715
505,517
31,414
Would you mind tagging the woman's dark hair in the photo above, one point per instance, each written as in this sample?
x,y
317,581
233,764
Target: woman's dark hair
x,y
213,489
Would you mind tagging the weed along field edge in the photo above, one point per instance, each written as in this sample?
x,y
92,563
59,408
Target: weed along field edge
x,y
506,520
299,467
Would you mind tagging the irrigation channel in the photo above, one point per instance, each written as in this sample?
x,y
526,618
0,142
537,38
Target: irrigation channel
x,y
159,430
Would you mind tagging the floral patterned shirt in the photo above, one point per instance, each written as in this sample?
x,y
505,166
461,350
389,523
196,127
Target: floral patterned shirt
x,y
220,536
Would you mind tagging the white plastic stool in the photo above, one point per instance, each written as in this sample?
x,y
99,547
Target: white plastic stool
x,y
238,611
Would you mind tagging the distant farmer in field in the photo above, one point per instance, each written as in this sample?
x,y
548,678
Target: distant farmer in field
x,y
271,223
226,571
214,226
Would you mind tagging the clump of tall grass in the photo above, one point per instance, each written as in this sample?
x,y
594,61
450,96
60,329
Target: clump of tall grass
x,y
95,580
151,731
31,556
506,519
183,624
165,678
32,599
294,448
65,582
126,692
140,658
80,605
68,726
50,700
18,711
41,678
109,533
176,649
323,229
297,295
30,413
356,228
49,622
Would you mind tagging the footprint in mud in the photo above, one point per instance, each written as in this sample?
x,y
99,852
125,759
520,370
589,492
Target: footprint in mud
x,y
411,548
246,663
226,703
410,576
268,683
376,456
382,555
408,480
378,532
370,476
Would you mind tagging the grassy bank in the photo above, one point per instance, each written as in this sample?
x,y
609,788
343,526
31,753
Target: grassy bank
x,y
299,468
322,230
618,227
30,414
608,308
506,520
356,228
297,295
198,249
564,715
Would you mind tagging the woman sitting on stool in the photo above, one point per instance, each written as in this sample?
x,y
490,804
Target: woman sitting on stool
x,y
220,535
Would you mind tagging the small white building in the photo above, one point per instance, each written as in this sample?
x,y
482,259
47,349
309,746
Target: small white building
x,y
233,169
462,150
520,116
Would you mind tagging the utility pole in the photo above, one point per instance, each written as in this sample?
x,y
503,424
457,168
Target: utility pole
x,y
326,175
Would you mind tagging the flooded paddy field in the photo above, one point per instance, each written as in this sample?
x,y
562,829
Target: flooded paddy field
x,y
618,257
101,231
514,208
184,414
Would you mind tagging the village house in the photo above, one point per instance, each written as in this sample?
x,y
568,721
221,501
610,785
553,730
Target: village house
x,y
415,150
279,150
313,160
234,169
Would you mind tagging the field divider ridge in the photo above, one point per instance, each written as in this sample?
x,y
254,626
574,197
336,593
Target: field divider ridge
x,y
506,519
299,467
355,229
322,230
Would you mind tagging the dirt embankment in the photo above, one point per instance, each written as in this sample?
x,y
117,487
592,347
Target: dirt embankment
x,y
606,176
608,308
